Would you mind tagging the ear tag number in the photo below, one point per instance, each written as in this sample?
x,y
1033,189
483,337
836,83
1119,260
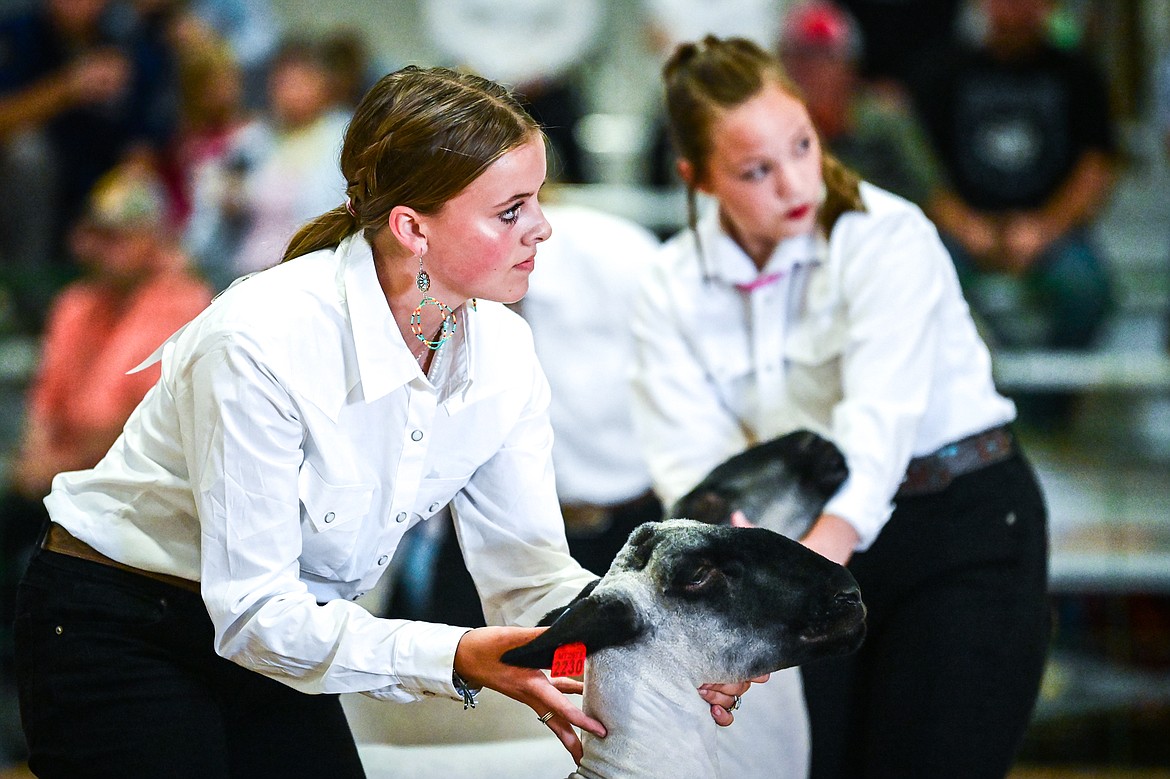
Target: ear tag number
x,y
569,660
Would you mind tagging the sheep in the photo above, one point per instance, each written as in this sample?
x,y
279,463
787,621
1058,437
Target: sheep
x,y
686,603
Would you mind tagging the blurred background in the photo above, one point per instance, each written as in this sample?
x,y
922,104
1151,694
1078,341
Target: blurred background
x,y
216,124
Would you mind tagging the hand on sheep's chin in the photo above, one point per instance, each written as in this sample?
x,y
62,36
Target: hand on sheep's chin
x,y
722,698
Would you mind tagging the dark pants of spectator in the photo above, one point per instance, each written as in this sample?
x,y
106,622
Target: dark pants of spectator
x,y
118,678
958,632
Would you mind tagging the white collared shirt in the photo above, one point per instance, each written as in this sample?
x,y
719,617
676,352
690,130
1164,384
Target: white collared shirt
x,y
865,339
578,304
288,446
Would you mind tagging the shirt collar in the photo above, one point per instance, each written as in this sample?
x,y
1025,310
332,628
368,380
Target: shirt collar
x,y
384,362
729,263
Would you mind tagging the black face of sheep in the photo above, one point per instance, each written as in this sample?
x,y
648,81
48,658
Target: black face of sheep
x,y
781,484
723,604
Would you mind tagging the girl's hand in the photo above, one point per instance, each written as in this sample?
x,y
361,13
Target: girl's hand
x,y
477,661
832,537
724,698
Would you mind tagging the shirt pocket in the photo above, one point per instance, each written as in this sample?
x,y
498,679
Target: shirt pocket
x,y
331,523
813,354
729,368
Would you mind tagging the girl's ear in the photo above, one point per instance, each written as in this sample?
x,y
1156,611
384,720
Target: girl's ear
x,y
689,176
406,225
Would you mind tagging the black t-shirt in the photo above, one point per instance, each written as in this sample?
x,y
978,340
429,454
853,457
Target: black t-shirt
x,y
1009,133
897,33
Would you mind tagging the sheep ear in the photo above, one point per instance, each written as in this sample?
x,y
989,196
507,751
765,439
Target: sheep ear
x,y
818,461
555,614
596,622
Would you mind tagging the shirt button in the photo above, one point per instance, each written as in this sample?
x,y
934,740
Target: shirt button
x,y
401,517
330,517
435,507
382,560
416,435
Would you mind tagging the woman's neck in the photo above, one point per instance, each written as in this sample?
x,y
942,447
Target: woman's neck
x,y
759,250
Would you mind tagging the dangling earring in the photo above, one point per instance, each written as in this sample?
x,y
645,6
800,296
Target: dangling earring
x,y
423,279
446,330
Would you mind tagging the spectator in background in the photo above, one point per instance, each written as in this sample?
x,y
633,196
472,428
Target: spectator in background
x,y
900,33
74,101
136,290
1025,135
252,30
537,48
280,171
211,118
821,47
353,69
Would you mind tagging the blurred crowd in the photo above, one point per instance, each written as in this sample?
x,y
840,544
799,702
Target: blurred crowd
x,y
152,151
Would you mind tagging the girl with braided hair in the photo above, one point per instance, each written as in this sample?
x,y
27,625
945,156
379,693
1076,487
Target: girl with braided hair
x,y
193,586
803,298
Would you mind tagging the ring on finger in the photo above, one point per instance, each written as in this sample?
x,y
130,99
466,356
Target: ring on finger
x,y
544,719
735,705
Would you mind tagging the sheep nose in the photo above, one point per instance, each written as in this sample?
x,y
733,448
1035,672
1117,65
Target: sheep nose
x,y
850,596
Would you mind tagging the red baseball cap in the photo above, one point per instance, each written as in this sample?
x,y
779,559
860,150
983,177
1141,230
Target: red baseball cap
x,y
820,27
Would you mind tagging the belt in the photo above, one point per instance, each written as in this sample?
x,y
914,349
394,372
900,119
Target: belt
x,y
61,541
596,517
934,472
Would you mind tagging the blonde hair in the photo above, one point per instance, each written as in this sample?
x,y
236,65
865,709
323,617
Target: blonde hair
x,y
705,79
417,138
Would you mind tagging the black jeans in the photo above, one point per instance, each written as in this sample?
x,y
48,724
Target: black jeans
x,y
117,678
958,632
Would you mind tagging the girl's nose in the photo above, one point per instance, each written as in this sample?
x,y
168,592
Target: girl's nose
x,y
542,229
784,180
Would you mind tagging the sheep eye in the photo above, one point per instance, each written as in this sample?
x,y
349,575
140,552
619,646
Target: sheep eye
x,y
700,578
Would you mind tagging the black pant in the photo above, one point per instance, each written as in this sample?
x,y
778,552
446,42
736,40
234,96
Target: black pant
x,y
118,678
958,631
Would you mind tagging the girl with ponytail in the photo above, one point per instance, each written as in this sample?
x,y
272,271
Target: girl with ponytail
x,y
201,579
801,297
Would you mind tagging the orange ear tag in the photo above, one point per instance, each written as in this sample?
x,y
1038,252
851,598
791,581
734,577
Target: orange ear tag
x,y
569,660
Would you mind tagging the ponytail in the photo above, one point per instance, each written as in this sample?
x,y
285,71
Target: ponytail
x,y
323,232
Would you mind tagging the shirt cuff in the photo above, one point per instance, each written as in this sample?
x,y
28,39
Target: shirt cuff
x,y
423,663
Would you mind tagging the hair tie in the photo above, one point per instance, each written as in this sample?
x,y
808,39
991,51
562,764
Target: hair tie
x,y
349,208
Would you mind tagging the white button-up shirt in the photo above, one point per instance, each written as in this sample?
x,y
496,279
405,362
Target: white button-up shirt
x,y
864,338
290,443
578,304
